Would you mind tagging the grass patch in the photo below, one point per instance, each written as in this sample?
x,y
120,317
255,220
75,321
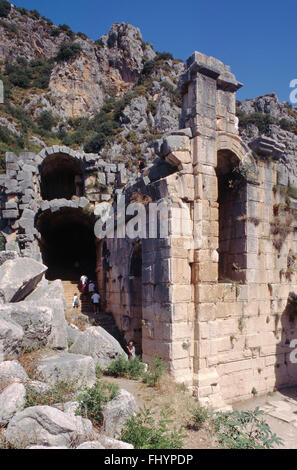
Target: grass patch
x,y
61,392
136,370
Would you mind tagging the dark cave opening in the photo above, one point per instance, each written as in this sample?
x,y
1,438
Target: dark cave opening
x,y
67,244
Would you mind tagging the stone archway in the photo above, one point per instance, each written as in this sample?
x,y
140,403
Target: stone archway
x,y
235,166
232,217
67,243
61,176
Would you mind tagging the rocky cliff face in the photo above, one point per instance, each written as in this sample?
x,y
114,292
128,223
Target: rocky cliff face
x,y
276,122
113,96
119,65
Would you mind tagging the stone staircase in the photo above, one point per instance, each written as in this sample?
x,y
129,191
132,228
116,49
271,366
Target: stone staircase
x,y
104,320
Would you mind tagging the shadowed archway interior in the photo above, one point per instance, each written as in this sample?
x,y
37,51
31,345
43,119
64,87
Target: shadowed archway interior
x,y
232,221
67,243
61,177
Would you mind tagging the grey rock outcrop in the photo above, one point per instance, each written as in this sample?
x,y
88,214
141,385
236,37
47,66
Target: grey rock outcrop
x,y
12,400
111,443
12,371
91,445
98,344
7,255
52,296
64,367
118,411
19,277
47,426
11,339
35,321
73,333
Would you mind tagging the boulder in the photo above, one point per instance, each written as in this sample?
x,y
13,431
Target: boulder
x,y
52,296
111,443
73,333
35,321
19,277
12,400
118,411
46,448
64,367
7,255
11,339
12,371
47,426
91,445
98,344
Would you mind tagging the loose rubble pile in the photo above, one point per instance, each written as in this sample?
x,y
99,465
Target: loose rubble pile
x,y
32,317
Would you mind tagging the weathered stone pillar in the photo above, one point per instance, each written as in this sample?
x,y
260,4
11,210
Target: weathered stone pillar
x,y
207,111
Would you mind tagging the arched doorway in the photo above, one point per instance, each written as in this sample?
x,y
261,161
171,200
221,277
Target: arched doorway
x,y
61,177
232,217
135,292
67,243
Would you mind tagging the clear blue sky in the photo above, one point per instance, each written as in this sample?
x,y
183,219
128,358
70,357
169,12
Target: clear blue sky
x,y
256,37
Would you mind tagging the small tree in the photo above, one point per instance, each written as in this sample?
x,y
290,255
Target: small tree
x,y
5,8
46,120
67,51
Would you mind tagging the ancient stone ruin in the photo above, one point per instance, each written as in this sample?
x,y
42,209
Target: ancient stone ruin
x,y
214,297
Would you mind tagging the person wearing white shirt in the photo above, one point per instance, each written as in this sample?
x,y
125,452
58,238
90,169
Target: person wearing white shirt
x,y
91,287
84,280
96,302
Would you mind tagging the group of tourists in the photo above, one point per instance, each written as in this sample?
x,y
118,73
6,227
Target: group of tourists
x,y
88,289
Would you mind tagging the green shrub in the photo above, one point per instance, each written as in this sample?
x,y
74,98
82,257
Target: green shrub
x,y
22,11
46,120
145,432
24,74
82,35
75,138
93,400
244,430
121,367
55,32
10,142
99,372
164,56
155,372
95,144
199,415
35,14
292,191
2,242
260,120
11,27
5,8
68,51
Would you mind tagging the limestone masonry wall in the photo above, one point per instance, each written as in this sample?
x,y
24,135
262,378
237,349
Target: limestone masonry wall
x,y
215,296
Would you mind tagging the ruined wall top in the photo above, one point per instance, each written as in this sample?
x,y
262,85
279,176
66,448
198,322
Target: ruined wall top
x,y
211,67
